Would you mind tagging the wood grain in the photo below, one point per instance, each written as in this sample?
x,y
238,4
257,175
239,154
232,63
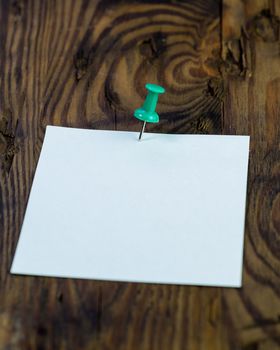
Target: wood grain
x,y
84,64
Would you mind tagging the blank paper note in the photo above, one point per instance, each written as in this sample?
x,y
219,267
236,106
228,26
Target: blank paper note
x,y
167,209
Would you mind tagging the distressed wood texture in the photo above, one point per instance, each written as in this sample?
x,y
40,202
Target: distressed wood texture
x,y
84,64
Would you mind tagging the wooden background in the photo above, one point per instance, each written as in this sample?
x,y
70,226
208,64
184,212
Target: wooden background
x,y
84,64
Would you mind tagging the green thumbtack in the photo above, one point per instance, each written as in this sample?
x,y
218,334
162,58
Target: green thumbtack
x,y
147,113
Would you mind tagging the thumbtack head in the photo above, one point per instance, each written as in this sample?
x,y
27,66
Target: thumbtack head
x,y
155,88
147,113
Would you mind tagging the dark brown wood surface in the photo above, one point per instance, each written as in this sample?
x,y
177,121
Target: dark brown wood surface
x,y
84,64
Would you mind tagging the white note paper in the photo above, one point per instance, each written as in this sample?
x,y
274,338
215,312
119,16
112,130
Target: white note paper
x,y
167,209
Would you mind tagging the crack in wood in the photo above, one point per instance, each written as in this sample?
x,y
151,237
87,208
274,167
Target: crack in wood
x,y
8,147
81,64
153,47
266,26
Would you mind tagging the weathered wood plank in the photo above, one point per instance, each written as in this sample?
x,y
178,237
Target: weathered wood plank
x,y
251,106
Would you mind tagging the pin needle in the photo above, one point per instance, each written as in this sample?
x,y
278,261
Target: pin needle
x,y
142,130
